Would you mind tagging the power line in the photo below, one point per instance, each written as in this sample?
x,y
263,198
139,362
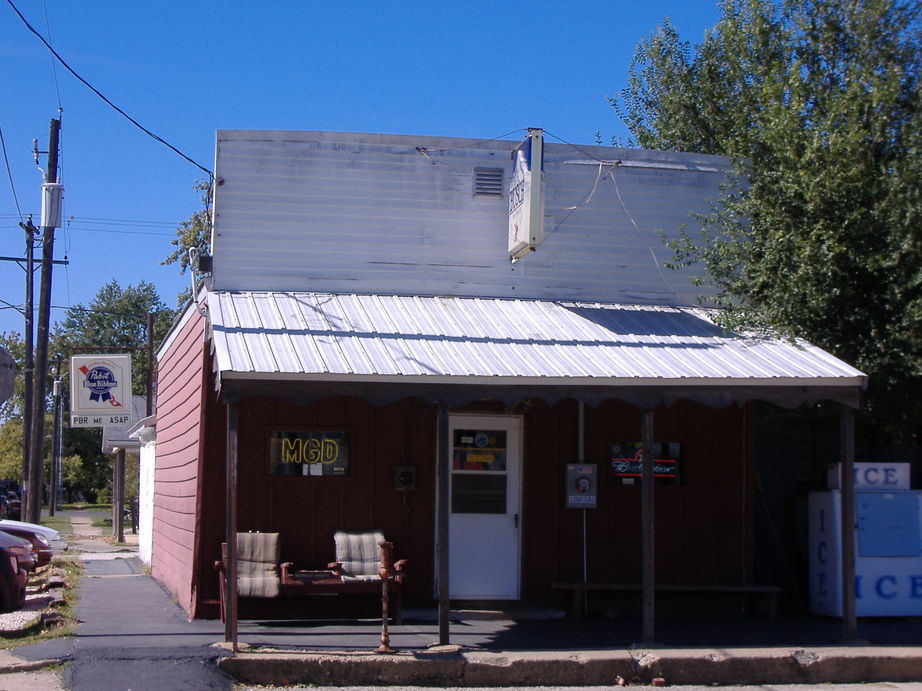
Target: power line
x,y
119,232
122,221
106,100
9,173
96,220
104,225
612,166
54,71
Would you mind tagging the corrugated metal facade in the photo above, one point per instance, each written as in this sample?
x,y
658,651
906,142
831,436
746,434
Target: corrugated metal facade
x,y
315,336
392,214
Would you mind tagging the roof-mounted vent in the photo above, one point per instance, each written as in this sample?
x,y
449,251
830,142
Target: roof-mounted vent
x,y
488,182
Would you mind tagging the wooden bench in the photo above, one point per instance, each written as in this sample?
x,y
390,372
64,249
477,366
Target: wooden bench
x,y
364,561
768,592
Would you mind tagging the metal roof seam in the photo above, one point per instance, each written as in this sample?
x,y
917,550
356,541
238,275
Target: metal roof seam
x,y
507,342
378,354
464,310
318,350
393,346
528,350
420,347
271,308
436,345
287,320
343,345
350,311
440,306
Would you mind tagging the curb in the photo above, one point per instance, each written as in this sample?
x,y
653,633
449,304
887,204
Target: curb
x,y
10,664
596,668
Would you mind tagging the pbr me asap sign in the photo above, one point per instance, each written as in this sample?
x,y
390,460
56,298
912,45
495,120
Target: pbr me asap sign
x,y
100,390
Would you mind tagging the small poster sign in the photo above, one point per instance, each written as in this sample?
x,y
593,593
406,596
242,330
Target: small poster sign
x,y
582,485
100,390
626,462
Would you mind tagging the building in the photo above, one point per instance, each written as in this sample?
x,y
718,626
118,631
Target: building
x,y
368,355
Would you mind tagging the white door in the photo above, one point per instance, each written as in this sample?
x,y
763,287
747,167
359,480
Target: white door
x,y
483,555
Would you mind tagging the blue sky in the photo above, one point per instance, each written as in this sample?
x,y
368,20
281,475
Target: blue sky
x,y
186,69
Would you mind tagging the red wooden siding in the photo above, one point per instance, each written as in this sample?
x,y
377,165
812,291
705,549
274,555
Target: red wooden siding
x,y
703,526
308,510
180,390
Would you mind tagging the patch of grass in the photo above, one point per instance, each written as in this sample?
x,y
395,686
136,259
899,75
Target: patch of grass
x,y
58,522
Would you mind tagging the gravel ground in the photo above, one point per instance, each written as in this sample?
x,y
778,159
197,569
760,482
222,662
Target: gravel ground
x,y
19,620
30,614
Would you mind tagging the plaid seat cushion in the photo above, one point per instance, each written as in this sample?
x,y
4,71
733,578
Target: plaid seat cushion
x,y
258,564
359,553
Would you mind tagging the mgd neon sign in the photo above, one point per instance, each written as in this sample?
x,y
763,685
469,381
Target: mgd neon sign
x,y
309,453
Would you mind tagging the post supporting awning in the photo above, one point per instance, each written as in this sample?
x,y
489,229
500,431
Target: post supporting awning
x,y
647,526
443,472
230,581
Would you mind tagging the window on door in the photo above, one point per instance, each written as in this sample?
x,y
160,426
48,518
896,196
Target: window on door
x,y
479,471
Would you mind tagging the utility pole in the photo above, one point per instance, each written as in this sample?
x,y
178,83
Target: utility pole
x,y
28,370
55,443
36,433
118,496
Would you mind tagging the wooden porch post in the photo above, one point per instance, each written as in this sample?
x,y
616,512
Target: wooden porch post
x,y
230,582
443,471
647,527
847,483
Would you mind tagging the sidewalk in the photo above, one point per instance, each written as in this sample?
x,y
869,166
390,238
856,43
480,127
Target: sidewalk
x,y
566,652
132,630
37,667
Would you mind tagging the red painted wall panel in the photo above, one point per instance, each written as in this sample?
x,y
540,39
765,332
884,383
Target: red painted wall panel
x,y
180,392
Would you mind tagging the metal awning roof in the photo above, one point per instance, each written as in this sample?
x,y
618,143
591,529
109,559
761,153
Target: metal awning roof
x,y
342,343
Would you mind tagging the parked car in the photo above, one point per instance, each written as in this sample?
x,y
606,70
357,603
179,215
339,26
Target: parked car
x,y
14,552
38,543
50,533
25,557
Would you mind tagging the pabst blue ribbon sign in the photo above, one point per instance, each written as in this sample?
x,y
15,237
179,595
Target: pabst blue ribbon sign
x,y
100,390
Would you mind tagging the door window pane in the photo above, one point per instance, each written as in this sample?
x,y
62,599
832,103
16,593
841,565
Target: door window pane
x,y
478,493
479,450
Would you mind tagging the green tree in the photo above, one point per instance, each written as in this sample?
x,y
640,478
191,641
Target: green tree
x,y
195,232
11,449
12,342
116,321
77,483
819,106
